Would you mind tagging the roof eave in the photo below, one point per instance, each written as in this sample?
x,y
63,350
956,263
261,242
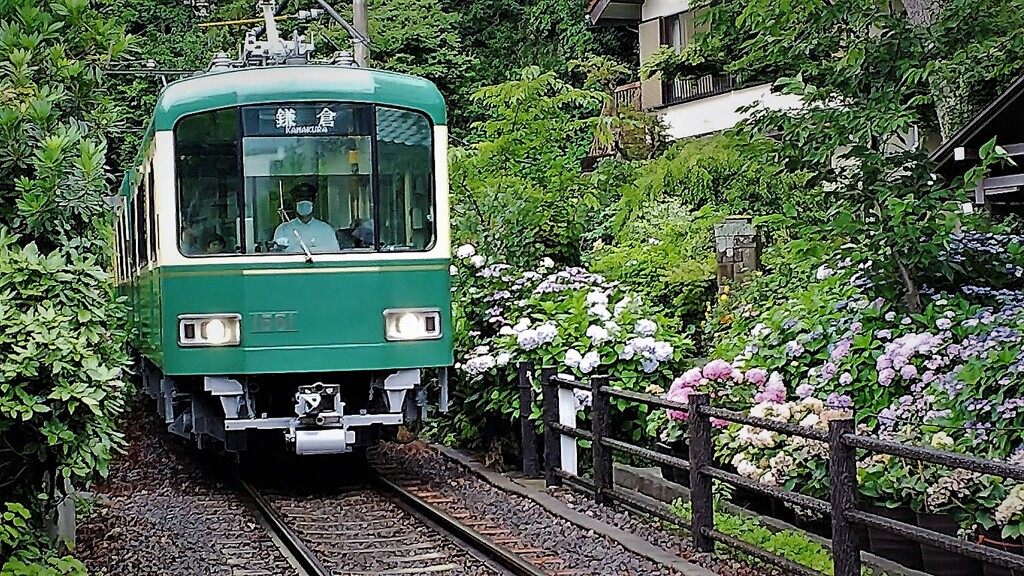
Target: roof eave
x,y
601,13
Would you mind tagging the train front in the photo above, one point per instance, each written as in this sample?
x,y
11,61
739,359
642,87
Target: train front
x,y
309,290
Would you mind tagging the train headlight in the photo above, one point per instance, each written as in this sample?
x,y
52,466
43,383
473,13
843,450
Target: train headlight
x,y
412,324
209,329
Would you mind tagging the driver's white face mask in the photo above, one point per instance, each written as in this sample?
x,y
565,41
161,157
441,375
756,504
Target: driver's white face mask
x,y
304,208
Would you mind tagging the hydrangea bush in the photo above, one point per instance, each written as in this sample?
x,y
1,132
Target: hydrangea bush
x,y
570,318
945,378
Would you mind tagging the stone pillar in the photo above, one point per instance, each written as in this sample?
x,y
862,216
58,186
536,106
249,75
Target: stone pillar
x,y
737,250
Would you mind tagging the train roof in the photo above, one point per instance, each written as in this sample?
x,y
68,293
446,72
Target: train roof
x,y
236,87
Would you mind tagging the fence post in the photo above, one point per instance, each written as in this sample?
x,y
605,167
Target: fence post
x,y
531,459
552,439
842,488
701,499
600,417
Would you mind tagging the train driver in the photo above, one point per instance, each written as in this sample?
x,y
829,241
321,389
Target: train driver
x,y
317,235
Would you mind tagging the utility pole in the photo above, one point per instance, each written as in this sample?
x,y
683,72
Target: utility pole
x,y
362,25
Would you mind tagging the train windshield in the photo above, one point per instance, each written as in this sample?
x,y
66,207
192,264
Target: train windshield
x,y
317,177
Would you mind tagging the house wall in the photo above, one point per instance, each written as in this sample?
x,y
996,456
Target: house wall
x,y
719,112
657,8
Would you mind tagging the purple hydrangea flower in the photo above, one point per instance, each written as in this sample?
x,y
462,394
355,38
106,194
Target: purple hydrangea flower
x,y
839,401
804,390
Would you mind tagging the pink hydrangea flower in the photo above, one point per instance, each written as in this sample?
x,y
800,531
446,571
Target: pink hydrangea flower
x,y
756,376
774,391
717,370
679,394
692,377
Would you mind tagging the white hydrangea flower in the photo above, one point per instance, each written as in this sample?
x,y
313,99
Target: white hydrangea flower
x,y
453,270
759,330
584,398
465,251
572,358
479,364
643,345
503,358
781,463
590,361
596,298
523,324
547,332
1010,507
627,352
813,404
748,470
506,330
546,262
764,439
528,339
597,334
645,327
943,441
746,436
478,261
601,311
612,327
662,351
810,421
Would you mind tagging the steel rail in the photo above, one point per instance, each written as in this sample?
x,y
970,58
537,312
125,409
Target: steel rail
x,y
301,554
423,510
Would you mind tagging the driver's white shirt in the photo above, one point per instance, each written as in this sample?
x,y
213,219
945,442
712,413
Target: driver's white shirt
x,y
317,235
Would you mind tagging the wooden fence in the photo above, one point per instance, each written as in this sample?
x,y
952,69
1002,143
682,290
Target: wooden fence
x,y
561,464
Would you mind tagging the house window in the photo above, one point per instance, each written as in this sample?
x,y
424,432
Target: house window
x,y
672,32
677,30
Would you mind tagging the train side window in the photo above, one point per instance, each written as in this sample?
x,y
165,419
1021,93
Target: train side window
x,y
206,146
151,201
140,227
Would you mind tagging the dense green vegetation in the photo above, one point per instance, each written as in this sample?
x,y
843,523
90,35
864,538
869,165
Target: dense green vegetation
x,y
61,345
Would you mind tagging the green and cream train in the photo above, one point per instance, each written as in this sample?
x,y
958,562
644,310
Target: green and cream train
x,y
283,239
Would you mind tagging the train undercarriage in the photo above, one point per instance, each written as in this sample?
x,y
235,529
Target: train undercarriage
x,y
321,413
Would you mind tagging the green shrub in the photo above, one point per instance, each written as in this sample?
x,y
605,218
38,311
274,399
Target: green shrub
x,y
61,328
667,256
723,171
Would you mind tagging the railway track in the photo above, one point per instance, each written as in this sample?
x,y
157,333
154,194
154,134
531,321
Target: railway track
x,y
392,525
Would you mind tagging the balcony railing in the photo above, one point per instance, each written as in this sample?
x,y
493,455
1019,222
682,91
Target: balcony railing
x,y
627,96
679,91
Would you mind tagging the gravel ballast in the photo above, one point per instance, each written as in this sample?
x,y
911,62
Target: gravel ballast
x,y
584,550
165,509
157,514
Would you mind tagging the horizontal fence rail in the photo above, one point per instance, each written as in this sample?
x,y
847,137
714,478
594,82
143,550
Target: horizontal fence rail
x,y
560,463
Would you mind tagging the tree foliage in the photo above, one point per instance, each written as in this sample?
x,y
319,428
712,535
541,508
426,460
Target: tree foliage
x,y
519,191
851,133
61,337
164,34
507,36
